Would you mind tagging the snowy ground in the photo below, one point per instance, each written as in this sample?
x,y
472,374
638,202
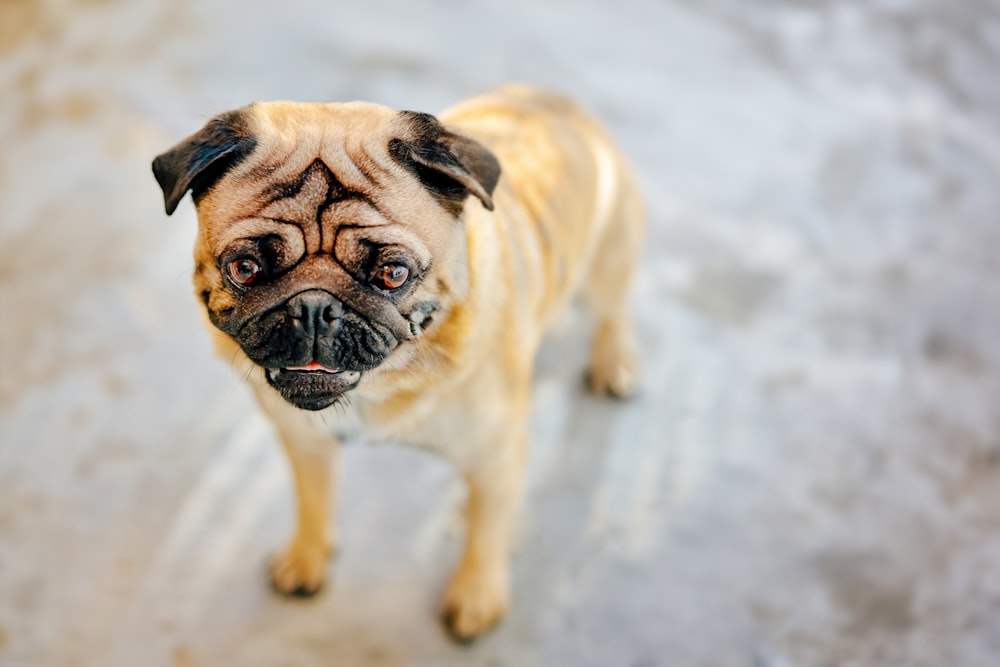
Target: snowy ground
x,y
810,477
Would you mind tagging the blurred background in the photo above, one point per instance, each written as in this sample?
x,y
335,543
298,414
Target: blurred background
x,y
810,475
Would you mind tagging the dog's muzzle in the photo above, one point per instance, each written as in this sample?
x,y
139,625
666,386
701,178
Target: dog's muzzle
x,y
314,349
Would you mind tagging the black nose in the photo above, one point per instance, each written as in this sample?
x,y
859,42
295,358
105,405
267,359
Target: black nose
x,y
315,312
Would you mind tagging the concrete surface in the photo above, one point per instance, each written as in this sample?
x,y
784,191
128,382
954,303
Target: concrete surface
x,y
811,475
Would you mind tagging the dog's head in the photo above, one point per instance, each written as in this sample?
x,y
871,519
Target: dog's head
x,y
330,235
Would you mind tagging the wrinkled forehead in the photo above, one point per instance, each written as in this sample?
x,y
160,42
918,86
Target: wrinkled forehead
x,y
351,139
319,167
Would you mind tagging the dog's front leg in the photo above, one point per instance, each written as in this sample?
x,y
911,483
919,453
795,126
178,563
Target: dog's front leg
x,y
479,592
300,568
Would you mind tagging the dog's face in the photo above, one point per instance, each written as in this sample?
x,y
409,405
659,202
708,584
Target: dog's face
x,y
330,235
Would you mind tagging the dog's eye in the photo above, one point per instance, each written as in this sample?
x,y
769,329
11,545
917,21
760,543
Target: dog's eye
x,y
244,270
391,276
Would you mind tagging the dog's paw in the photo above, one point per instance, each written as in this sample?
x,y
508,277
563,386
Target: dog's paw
x,y
613,376
474,603
613,368
618,382
300,569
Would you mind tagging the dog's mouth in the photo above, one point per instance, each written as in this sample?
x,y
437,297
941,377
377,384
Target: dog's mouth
x,y
316,367
313,386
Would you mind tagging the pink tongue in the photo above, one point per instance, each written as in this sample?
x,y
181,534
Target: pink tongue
x,y
311,366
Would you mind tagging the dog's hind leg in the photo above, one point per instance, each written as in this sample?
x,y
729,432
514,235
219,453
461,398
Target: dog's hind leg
x,y
606,288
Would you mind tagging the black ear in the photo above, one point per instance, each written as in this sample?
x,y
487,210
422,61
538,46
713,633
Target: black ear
x,y
450,165
196,163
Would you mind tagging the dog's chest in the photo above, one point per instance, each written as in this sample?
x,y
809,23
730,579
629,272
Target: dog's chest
x,y
423,425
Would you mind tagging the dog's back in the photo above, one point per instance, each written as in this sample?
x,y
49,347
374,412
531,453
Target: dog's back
x,y
569,214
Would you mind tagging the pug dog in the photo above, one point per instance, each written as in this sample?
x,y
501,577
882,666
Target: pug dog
x,y
396,271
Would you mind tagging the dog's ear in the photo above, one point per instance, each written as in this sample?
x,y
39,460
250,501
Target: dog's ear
x,y
196,163
450,165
